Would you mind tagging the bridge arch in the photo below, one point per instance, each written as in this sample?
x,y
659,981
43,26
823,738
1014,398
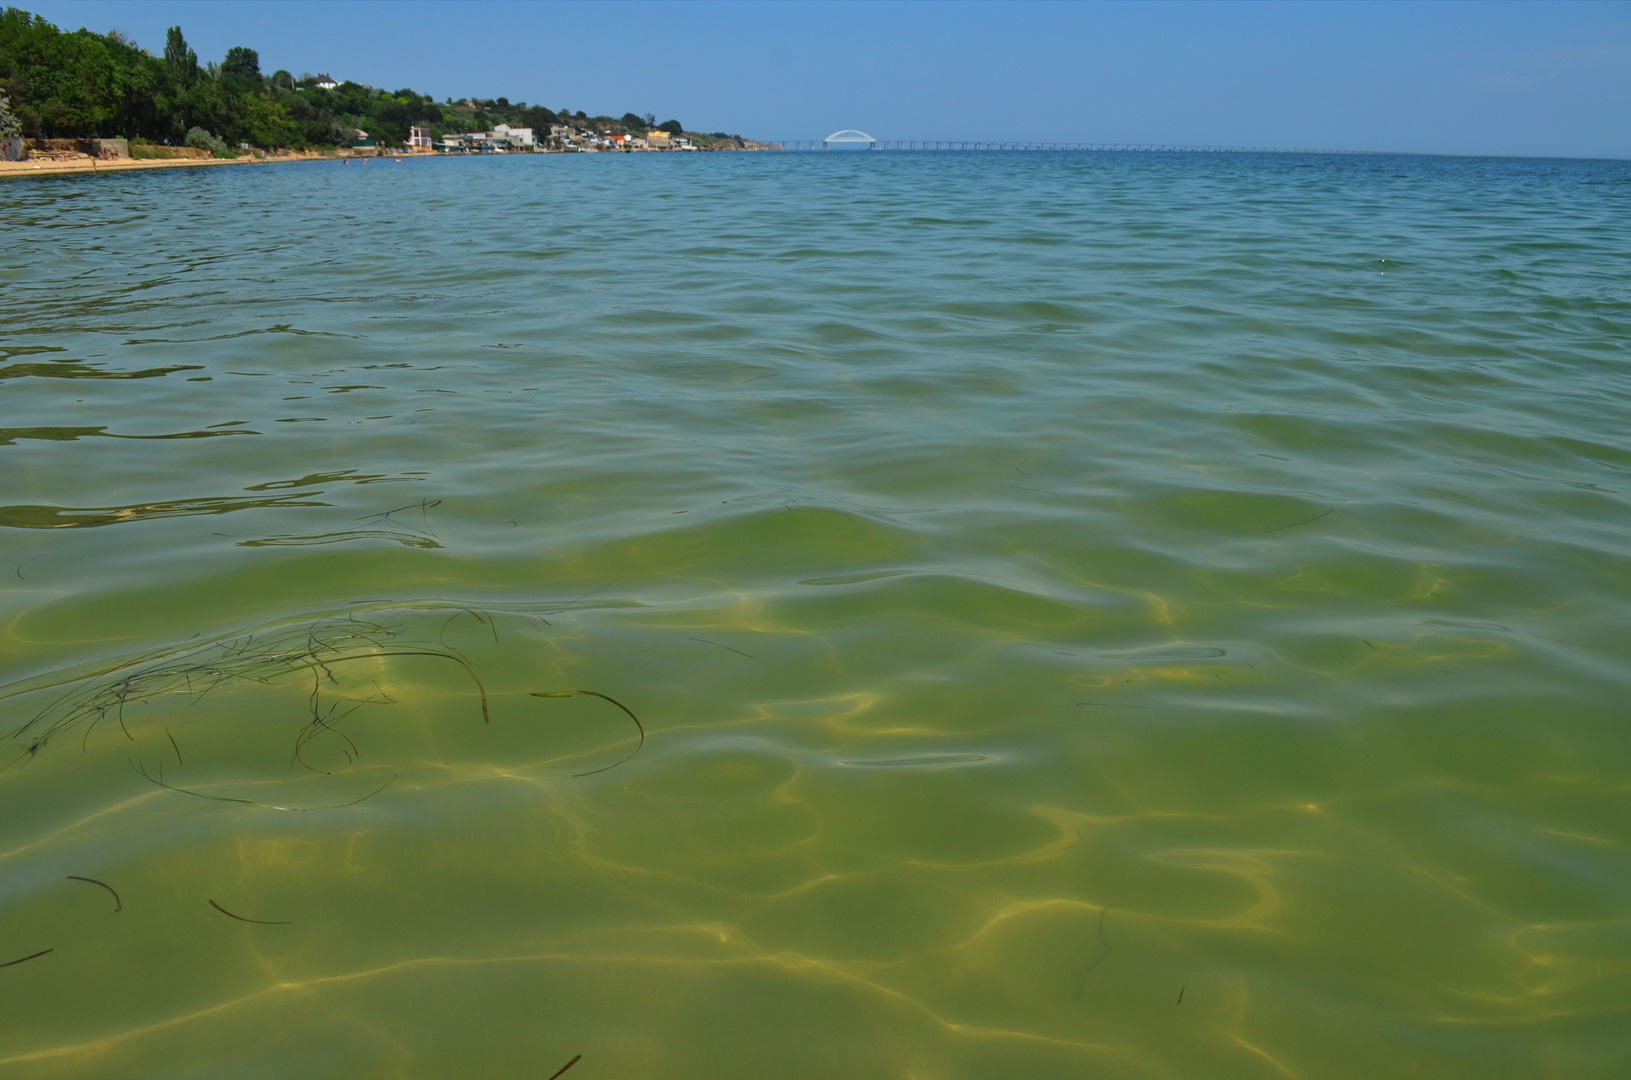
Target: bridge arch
x,y
847,136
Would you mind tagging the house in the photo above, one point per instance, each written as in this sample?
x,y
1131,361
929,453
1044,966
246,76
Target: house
x,y
519,138
419,139
326,83
659,140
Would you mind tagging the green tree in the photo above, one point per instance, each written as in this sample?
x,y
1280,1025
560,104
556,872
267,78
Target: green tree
x,y
242,68
539,119
180,60
138,79
389,119
71,92
83,84
671,126
267,123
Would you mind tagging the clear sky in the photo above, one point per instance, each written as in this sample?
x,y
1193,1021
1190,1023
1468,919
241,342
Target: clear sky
x,y
1519,77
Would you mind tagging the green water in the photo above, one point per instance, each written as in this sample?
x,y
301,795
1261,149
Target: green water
x,y
1089,616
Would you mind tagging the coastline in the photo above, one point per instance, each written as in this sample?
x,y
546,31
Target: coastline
x,y
119,165
19,169
10,169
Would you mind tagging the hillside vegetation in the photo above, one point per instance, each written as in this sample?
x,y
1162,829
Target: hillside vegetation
x,y
80,84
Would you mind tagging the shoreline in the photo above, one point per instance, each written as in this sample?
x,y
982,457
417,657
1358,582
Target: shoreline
x,y
77,166
16,169
94,165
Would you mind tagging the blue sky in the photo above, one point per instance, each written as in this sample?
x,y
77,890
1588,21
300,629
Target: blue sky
x,y
1446,77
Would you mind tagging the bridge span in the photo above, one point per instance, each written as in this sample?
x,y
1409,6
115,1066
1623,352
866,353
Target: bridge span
x,y
852,137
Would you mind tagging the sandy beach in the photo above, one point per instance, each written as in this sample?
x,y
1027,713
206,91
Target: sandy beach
x,y
85,165
9,169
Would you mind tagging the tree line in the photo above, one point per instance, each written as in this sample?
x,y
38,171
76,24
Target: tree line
x,y
81,84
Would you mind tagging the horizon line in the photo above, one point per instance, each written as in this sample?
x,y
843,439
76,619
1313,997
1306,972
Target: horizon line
x,y
988,145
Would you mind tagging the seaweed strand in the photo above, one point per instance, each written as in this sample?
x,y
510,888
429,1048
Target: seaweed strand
x,y
257,922
42,952
575,1059
641,728
118,904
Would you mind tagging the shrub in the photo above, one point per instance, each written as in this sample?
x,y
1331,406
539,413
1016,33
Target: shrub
x,y
10,126
203,140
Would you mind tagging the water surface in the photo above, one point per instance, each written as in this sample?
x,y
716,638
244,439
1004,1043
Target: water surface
x,y
1105,615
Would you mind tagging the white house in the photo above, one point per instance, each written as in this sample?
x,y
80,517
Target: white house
x,y
326,83
514,136
419,138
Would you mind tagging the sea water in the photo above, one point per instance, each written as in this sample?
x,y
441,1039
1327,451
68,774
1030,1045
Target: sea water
x,y
919,615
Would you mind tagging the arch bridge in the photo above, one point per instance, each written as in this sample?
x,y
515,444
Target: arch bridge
x,y
849,135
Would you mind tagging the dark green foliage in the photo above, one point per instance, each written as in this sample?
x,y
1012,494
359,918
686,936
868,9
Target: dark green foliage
x,y
538,118
84,85
242,68
672,127
81,84
177,56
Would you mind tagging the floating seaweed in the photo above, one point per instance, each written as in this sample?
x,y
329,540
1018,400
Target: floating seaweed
x,y
159,781
316,651
491,625
257,922
639,727
1104,954
1304,521
118,904
727,648
42,952
313,649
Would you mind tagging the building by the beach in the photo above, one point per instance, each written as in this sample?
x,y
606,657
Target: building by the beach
x,y
501,139
516,138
